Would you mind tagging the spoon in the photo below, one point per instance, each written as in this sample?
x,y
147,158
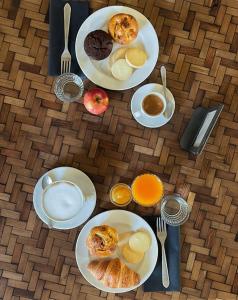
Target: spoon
x,y
47,180
163,78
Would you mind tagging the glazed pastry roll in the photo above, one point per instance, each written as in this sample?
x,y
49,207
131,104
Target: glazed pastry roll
x,y
102,241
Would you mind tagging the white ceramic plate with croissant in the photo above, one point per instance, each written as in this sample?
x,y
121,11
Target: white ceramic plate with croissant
x,y
123,221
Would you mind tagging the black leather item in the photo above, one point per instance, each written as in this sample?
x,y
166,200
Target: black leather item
x,y
172,248
195,124
79,12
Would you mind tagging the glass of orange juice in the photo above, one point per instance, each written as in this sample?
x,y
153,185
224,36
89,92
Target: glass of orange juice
x,y
147,189
120,194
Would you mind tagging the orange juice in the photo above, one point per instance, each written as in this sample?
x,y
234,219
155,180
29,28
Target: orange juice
x,y
120,194
147,189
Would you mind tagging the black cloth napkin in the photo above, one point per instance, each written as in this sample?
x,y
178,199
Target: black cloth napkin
x,y
79,12
172,248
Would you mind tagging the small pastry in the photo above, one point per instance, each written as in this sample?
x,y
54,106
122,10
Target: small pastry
x,y
140,241
132,256
116,55
102,241
98,44
135,57
123,28
124,237
113,273
121,70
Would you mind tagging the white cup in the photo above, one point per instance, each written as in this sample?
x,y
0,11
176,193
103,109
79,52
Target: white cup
x,y
142,112
62,200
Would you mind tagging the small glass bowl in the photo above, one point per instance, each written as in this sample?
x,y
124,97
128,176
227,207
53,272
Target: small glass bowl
x,y
68,87
111,198
159,199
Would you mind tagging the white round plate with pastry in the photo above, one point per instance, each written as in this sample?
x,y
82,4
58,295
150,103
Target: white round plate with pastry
x,y
98,69
113,273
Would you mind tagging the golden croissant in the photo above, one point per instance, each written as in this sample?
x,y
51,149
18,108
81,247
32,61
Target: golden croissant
x,y
102,241
113,273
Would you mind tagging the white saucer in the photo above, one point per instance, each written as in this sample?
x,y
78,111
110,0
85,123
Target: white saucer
x,y
137,98
80,179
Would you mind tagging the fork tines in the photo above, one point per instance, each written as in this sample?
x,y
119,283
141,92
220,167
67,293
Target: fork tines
x,y
160,225
65,65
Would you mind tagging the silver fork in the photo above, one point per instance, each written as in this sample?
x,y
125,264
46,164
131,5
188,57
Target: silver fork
x,y
66,57
162,235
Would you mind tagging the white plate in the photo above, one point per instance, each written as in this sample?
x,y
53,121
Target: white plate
x,y
123,221
137,98
80,179
99,71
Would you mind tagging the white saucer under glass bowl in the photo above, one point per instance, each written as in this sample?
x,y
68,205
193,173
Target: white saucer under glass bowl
x,y
80,179
99,71
145,120
123,221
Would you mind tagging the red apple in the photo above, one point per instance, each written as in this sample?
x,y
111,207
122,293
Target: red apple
x,y
96,101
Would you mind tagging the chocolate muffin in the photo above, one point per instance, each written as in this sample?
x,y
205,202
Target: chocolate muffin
x,y
98,44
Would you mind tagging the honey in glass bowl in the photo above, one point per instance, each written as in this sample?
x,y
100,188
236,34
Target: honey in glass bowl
x,y
120,194
147,189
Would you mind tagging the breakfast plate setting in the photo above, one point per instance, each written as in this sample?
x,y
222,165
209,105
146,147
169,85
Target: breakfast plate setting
x,y
126,44
99,162
118,52
129,244
116,251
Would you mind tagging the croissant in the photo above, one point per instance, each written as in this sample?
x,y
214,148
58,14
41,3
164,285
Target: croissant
x,y
113,273
102,241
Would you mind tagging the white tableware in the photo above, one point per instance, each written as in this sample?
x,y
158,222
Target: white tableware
x,y
161,231
123,221
167,113
62,200
80,179
141,110
99,71
66,56
46,180
137,99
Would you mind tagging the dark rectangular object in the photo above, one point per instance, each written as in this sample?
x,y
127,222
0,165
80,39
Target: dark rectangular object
x,y
79,12
199,128
172,248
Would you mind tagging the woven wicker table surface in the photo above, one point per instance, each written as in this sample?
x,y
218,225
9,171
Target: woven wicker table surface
x,y
198,45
